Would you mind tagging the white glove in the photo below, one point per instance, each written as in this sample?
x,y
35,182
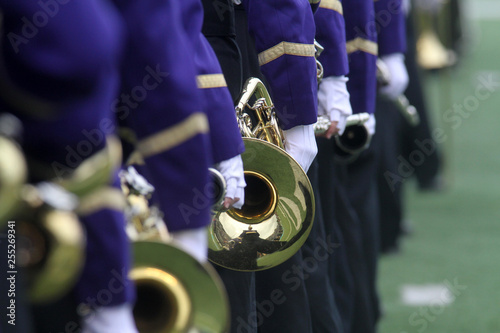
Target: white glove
x,y
110,319
398,80
333,100
300,143
193,241
232,171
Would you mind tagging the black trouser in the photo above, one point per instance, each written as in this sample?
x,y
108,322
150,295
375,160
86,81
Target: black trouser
x,y
356,214
391,175
318,258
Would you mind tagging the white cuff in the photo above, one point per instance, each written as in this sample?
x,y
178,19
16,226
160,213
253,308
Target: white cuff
x,y
118,318
333,100
300,143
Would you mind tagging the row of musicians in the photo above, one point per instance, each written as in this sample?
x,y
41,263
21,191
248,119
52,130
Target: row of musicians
x,y
167,74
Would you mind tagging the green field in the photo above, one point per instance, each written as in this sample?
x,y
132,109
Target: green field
x,y
456,234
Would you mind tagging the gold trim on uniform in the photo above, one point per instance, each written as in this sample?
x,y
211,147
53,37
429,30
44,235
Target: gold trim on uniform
x,y
103,198
297,49
335,5
361,44
206,81
173,136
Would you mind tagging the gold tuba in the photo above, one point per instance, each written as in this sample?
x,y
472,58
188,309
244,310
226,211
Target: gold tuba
x,y
432,54
175,292
278,212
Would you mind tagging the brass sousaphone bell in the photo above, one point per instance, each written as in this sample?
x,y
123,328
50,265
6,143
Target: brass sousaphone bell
x,y
278,212
175,292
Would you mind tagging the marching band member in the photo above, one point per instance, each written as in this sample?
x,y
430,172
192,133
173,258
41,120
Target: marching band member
x,y
219,30
372,30
169,146
356,192
392,49
60,77
333,102
167,118
276,41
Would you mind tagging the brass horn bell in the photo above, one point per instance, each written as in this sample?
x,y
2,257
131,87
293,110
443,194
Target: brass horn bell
x,y
175,292
279,204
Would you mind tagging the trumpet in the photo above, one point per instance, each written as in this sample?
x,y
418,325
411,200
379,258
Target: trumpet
x,y
278,212
175,292
324,122
353,141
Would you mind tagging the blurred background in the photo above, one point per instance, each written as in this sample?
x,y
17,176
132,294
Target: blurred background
x,y
444,274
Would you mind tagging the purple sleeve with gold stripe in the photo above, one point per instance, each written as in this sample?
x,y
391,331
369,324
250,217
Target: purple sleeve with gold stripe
x,y
104,280
330,33
392,31
225,137
362,50
162,105
284,38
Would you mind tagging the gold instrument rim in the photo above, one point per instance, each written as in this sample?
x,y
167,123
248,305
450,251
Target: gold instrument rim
x,y
210,313
65,256
237,213
175,290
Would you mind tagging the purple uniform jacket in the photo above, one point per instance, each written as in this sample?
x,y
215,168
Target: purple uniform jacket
x,y
59,75
284,31
217,102
330,33
372,29
161,103
362,50
392,32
